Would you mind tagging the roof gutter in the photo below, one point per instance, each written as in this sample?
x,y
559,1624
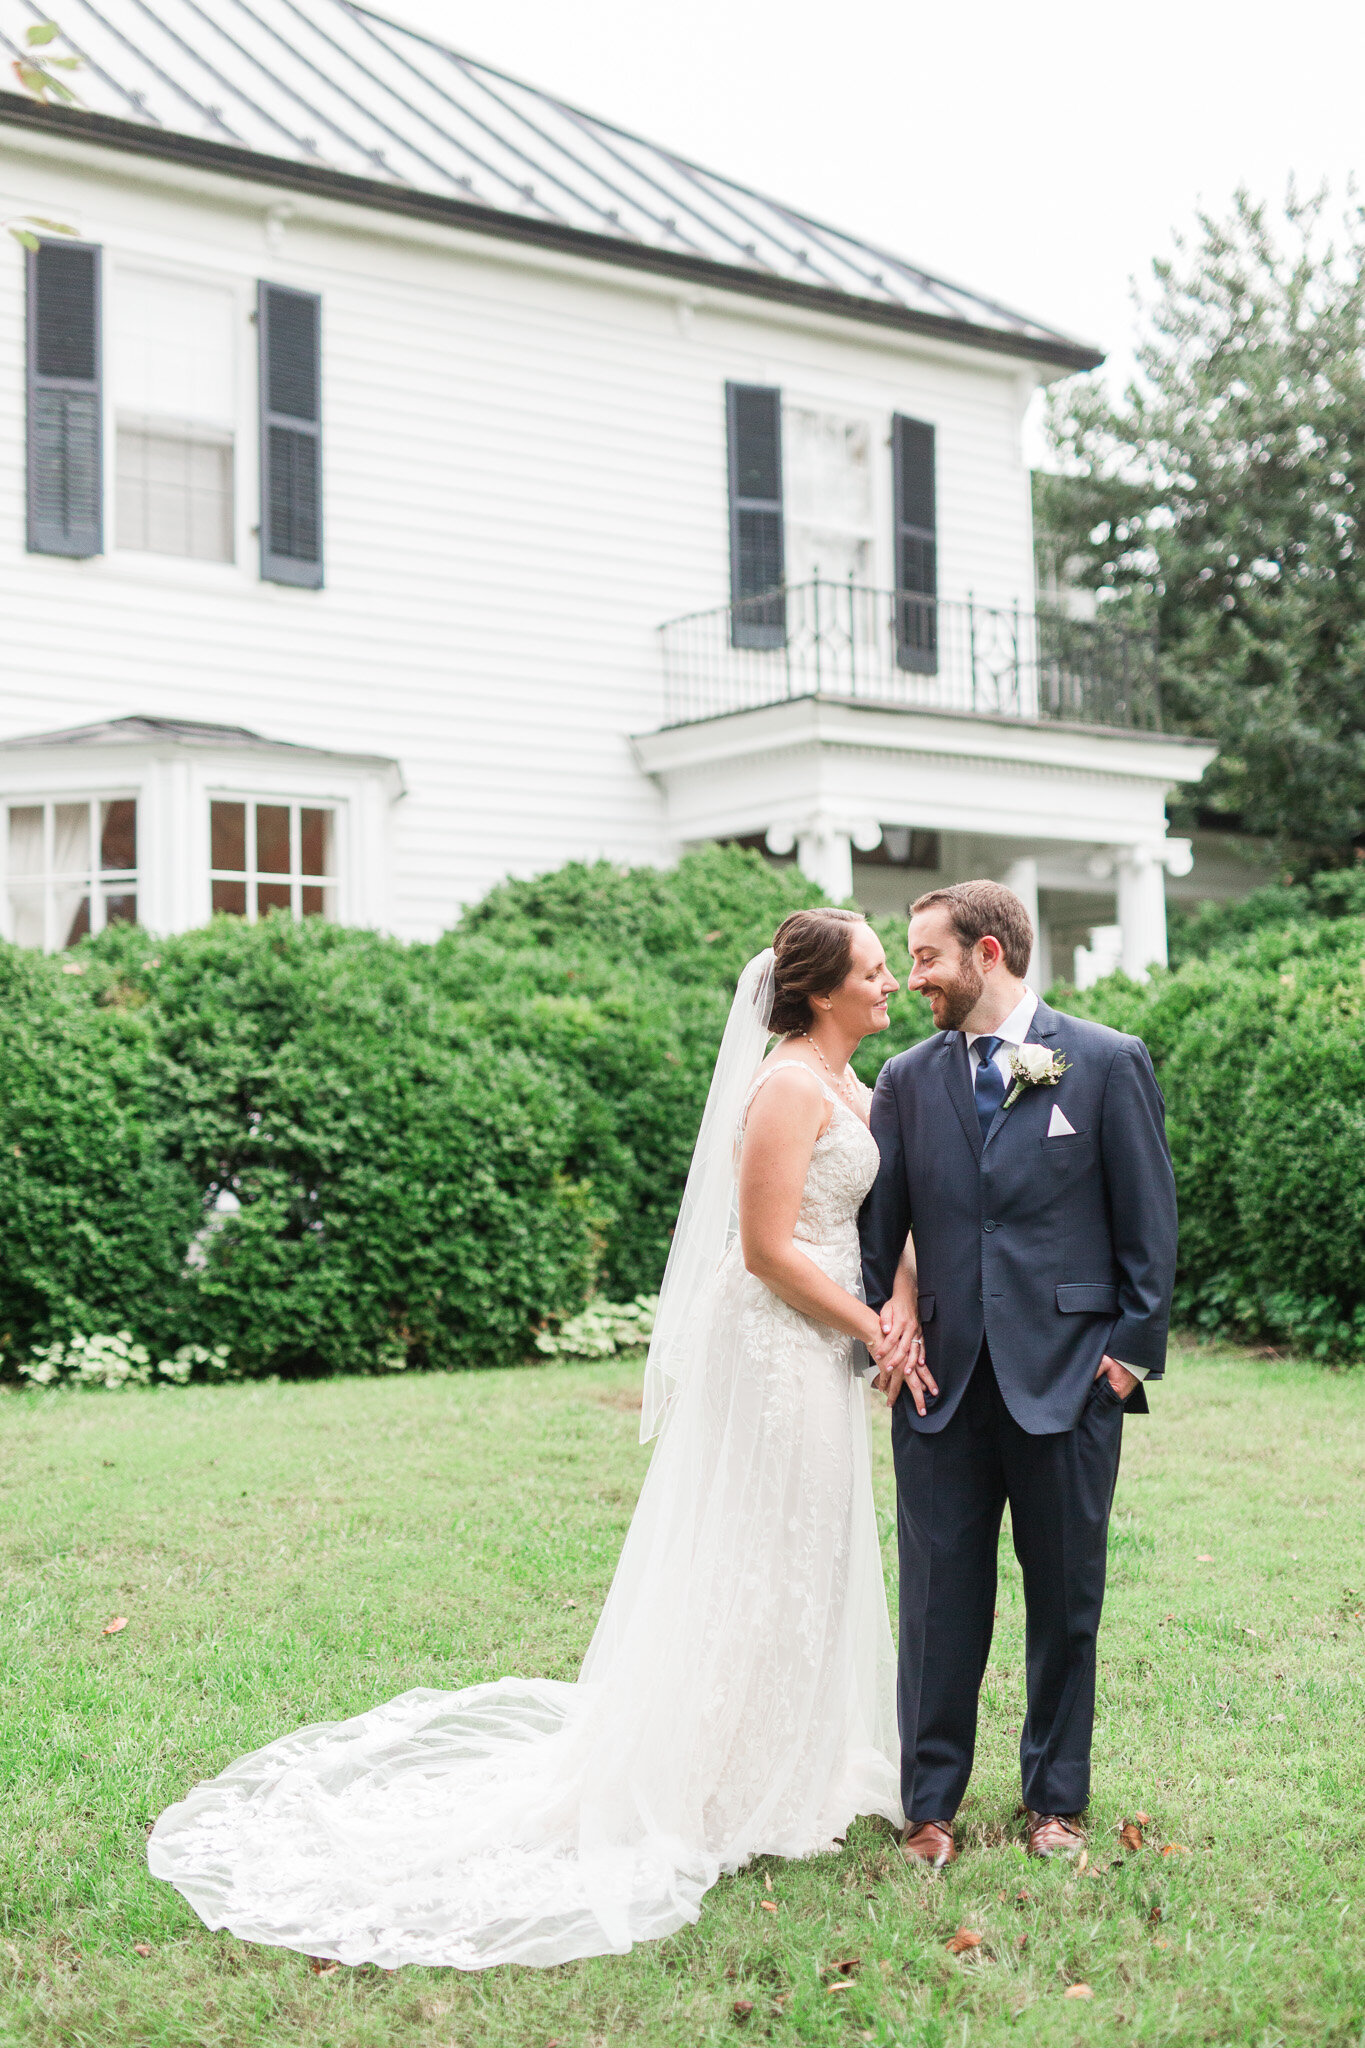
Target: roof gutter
x,y
165,145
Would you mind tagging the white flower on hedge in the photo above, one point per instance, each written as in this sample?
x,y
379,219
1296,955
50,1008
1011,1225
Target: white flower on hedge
x,y
1033,1066
116,1361
602,1329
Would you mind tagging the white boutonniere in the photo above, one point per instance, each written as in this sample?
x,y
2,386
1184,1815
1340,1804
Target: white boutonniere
x,y
1033,1066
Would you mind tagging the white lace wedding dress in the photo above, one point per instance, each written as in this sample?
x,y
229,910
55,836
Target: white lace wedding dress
x,y
736,1699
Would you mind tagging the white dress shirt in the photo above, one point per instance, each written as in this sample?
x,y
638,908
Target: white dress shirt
x,y
1012,1032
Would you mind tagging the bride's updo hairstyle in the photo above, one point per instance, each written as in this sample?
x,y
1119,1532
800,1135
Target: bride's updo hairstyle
x,y
812,955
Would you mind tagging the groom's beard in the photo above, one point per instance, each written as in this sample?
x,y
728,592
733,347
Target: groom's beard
x,y
957,1000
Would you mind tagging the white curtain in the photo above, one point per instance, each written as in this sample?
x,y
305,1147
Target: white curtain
x,y
70,869
25,871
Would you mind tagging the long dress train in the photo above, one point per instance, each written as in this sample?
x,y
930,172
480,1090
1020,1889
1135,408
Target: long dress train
x,y
736,1699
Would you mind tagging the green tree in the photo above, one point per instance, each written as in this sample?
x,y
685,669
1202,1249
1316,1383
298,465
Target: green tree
x,y
1219,498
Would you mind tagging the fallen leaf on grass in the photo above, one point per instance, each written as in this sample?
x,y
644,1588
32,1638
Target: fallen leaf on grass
x,y
1023,1898
1161,1944
766,1906
322,1966
767,1882
1204,1558
1144,1820
742,2008
1083,1862
965,1938
142,1948
1022,1943
845,1967
839,1984
1130,1834
1154,1915
112,1628
1175,1849
1078,1991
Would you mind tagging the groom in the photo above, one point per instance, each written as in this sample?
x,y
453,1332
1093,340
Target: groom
x,y
1026,1153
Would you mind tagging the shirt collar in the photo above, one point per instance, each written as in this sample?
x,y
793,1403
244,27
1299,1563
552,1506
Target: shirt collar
x,y
1016,1026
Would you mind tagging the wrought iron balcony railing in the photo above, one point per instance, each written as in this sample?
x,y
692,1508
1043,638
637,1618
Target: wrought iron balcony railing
x,y
909,652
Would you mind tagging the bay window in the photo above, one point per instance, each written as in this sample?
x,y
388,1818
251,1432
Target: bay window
x,y
70,868
268,856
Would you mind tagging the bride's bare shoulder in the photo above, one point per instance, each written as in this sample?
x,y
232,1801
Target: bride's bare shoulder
x,y
787,1076
786,1092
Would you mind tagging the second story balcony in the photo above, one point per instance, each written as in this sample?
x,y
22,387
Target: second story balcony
x,y
900,650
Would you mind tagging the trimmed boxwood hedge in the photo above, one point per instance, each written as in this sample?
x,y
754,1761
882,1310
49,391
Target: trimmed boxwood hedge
x,y
1260,1049
436,1149
439,1150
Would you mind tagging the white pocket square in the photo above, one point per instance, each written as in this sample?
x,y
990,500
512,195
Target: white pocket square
x,y
1059,1127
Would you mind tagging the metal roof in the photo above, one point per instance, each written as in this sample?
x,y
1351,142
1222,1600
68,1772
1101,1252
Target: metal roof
x,y
336,90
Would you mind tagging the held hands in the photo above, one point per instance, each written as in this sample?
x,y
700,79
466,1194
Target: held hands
x,y
898,1354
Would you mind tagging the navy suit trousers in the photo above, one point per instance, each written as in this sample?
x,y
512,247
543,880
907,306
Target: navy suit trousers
x,y
952,1490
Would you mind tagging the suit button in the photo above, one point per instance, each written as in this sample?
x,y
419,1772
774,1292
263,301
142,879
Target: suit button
x,y
988,1226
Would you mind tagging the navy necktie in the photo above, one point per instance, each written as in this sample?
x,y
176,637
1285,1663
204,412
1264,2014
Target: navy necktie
x,y
990,1084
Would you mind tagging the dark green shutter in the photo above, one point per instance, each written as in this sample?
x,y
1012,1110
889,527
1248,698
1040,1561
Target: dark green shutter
x,y
912,443
291,435
65,469
758,616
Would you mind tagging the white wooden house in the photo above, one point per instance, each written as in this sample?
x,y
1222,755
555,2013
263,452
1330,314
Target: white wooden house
x,y
410,480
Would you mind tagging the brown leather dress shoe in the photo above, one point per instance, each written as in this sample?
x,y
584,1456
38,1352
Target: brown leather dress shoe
x,y
1053,1834
930,1842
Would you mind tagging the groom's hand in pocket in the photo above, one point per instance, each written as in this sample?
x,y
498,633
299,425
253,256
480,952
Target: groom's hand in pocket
x,y
1118,1376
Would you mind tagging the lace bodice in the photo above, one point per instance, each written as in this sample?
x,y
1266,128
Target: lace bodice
x,y
843,1166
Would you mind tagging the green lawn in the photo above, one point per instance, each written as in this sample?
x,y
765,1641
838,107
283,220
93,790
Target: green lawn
x,y
295,1553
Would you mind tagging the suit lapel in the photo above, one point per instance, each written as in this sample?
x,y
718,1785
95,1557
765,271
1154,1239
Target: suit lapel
x,y
953,1054
1043,1027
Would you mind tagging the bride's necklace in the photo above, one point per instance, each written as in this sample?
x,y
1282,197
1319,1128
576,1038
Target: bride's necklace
x,y
841,1082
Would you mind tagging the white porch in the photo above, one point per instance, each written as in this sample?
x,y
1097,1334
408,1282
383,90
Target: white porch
x,y
880,802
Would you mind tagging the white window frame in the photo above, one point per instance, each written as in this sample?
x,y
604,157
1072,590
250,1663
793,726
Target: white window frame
x,y
190,572
865,534
297,880
97,880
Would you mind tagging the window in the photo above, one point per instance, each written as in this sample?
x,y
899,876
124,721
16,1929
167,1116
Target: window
x,y
175,490
174,354
71,868
827,467
272,856
904,846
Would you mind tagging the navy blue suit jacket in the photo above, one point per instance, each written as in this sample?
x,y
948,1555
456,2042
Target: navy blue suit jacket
x,y
1055,1249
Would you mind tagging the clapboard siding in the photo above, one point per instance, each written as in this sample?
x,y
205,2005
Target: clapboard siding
x,y
525,474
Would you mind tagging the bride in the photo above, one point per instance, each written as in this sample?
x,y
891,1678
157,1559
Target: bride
x,y
737,1696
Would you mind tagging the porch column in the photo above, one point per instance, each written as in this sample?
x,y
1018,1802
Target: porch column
x,y
1022,877
1142,909
826,857
824,849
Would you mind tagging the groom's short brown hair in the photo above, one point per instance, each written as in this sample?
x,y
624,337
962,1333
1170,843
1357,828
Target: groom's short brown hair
x,y
985,910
